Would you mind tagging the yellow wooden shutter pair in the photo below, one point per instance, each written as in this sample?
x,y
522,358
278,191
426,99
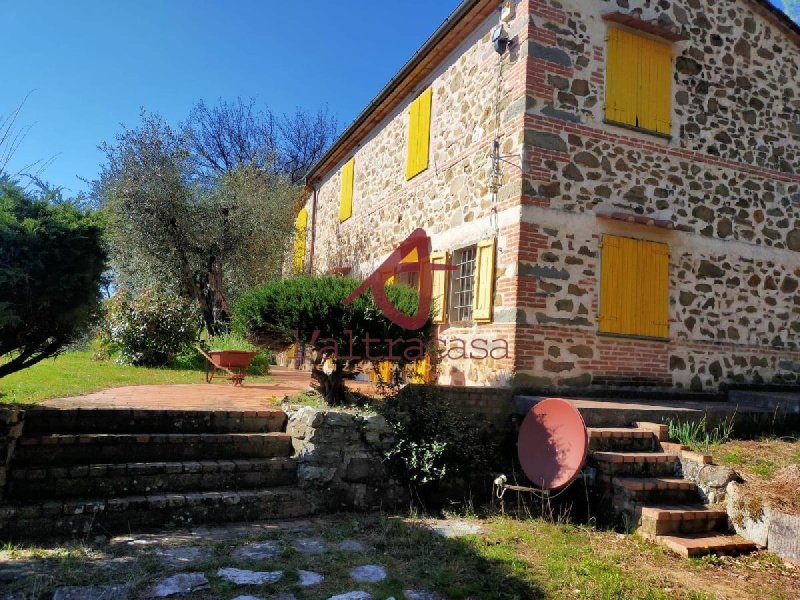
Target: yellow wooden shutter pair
x,y
346,196
634,288
483,300
300,228
419,134
639,81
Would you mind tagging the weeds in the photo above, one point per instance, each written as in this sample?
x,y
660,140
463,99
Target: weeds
x,y
697,436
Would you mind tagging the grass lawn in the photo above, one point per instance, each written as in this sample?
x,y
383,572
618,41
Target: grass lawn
x,y
509,559
76,372
770,468
758,459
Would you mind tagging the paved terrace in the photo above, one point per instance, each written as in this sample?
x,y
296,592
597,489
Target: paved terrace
x,y
203,396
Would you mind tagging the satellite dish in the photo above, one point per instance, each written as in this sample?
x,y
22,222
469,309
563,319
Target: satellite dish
x,y
552,444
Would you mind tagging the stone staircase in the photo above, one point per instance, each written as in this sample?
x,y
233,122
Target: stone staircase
x,y
78,471
636,477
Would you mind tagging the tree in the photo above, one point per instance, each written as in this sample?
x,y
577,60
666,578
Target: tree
x,y
52,260
205,239
236,134
310,311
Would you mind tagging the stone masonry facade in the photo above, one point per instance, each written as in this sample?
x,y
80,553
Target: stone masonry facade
x,y
722,191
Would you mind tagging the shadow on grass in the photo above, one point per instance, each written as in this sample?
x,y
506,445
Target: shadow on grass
x,y
413,555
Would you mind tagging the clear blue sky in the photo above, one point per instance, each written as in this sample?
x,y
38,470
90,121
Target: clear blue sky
x,y
92,64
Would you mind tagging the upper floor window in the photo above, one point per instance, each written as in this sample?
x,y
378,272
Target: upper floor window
x,y
300,234
639,81
346,195
419,134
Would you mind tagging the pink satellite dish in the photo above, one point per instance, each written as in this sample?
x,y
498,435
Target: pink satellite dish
x,y
552,444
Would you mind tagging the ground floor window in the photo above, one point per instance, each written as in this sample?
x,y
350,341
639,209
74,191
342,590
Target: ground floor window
x,y
634,287
462,284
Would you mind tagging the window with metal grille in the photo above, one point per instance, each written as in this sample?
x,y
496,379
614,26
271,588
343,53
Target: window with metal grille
x,y
462,285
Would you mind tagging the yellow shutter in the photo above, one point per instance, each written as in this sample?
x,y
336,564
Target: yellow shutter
x,y
419,134
424,135
439,289
634,288
484,281
346,197
639,81
413,134
300,229
622,76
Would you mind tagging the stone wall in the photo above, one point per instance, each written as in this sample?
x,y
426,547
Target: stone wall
x,y
11,423
341,457
476,96
724,192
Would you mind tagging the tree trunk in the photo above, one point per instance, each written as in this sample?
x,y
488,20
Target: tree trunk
x,y
331,386
214,302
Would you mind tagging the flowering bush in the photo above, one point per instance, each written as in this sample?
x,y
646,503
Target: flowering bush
x,y
151,328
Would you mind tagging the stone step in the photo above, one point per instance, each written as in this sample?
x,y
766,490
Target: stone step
x,y
59,519
701,544
108,480
668,519
634,464
621,439
660,430
92,448
112,420
654,490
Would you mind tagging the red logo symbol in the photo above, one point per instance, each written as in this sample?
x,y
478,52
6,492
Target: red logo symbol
x,y
419,241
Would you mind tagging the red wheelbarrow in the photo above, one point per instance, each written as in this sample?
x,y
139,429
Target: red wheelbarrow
x,y
231,364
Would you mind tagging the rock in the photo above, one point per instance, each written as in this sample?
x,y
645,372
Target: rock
x,y
257,551
183,557
245,577
455,529
352,596
98,592
310,546
421,595
368,574
350,546
548,141
180,584
248,598
309,578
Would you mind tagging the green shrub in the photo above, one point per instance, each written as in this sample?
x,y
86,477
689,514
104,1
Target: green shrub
x,y
52,260
311,310
149,329
435,445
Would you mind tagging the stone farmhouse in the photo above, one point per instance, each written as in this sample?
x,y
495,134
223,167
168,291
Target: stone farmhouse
x,y
617,188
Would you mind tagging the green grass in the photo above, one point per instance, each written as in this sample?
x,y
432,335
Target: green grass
x,y
77,372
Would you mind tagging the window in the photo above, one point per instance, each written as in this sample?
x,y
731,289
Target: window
x,y
419,134
634,288
346,196
639,81
462,285
300,226
439,288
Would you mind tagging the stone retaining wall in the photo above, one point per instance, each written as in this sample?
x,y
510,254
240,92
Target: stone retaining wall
x,y
341,457
772,529
11,423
